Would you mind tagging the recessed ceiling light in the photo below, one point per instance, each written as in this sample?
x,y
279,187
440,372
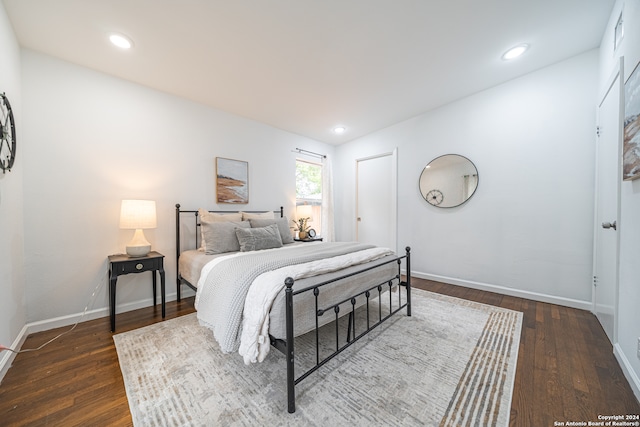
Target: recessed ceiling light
x,y
339,130
121,41
515,52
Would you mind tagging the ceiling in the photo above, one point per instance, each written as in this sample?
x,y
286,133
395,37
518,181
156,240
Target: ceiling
x,y
307,66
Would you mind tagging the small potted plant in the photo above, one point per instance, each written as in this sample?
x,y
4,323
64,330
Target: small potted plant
x,y
301,227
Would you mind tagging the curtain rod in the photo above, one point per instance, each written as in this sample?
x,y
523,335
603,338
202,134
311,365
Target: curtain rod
x,y
300,150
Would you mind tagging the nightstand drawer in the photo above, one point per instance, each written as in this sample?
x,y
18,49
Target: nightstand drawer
x,y
136,266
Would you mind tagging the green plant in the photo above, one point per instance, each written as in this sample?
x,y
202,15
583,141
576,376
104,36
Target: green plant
x,y
301,224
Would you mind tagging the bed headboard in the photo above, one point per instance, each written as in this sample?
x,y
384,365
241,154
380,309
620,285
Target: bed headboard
x,y
187,227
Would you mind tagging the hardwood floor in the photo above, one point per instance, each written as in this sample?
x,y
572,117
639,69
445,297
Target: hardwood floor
x,y
566,368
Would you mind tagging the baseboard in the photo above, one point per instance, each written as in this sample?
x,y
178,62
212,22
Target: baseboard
x,y
8,356
536,296
627,370
58,322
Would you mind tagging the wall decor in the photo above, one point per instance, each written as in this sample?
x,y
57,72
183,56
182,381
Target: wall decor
x,y
232,181
448,181
7,135
434,197
631,139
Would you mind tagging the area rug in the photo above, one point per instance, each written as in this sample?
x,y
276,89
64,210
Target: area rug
x,y
451,363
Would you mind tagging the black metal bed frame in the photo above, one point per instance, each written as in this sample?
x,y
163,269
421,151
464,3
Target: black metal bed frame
x,y
286,346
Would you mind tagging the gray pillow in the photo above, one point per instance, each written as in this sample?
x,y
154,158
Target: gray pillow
x,y
214,217
283,227
255,239
220,237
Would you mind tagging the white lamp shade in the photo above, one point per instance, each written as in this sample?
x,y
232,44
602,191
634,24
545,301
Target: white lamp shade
x,y
305,211
138,214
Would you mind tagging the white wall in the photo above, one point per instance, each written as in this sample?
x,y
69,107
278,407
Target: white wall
x,y
12,284
629,282
528,228
91,140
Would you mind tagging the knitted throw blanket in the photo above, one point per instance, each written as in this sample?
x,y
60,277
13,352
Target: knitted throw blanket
x,y
225,281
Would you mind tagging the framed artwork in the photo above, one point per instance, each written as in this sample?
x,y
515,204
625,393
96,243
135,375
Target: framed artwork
x,y
631,139
232,181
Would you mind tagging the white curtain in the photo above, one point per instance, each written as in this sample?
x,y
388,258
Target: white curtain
x,y
328,233
470,184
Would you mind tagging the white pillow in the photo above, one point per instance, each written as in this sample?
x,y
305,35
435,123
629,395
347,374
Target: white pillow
x,y
216,217
207,216
246,216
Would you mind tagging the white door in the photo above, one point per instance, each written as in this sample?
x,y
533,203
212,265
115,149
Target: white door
x,y
607,228
376,200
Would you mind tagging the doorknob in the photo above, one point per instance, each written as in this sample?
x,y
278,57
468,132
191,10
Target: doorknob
x,y
609,225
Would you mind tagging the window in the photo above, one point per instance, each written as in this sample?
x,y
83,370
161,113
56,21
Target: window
x,y
618,33
309,193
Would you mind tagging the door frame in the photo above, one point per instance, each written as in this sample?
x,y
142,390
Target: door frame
x,y
616,75
394,192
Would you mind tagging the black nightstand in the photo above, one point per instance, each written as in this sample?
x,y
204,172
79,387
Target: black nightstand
x,y
314,239
124,264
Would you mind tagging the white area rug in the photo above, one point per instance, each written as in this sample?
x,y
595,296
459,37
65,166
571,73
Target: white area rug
x,y
451,363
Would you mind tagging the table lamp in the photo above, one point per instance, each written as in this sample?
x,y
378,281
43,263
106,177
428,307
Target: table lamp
x,y
302,212
305,211
138,215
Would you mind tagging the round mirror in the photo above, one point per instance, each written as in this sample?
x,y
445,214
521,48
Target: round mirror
x,y
448,181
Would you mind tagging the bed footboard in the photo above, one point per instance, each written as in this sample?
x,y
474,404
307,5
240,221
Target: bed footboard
x,y
287,346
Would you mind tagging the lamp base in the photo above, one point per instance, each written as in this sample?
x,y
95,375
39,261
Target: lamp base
x,y
138,246
138,251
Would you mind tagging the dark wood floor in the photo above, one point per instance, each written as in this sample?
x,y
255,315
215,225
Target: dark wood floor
x,y
566,368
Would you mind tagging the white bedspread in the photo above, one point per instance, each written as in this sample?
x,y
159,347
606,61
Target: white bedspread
x,y
225,282
254,341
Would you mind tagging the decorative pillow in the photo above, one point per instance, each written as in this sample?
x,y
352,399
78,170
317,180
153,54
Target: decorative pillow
x,y
215,217
255,239
220,236
263,215
283,227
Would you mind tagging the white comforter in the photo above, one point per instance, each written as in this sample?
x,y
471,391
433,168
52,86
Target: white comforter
x,y
254,341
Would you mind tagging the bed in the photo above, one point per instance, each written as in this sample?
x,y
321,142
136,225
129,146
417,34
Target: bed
x,y
281,289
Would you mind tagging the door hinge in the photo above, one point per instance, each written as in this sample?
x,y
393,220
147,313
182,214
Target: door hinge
x,y
597,130
595,281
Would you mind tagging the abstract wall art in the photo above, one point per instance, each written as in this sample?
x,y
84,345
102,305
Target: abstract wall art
x,y
631,139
